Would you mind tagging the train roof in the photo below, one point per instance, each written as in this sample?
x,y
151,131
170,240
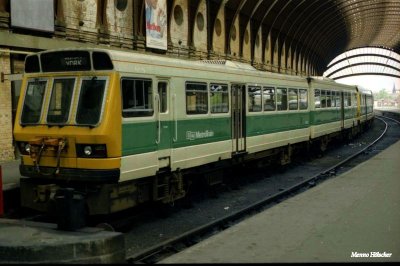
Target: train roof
x,y
364,90
330,82
121,57
321,78
359,88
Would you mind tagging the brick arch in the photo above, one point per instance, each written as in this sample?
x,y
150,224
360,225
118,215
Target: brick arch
x,y
218,34
179,27
199,28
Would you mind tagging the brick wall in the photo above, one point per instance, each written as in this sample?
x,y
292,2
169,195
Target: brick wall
x,y
119,23
178,28
6,146
219,33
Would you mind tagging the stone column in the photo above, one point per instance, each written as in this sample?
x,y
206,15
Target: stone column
x,y
6,139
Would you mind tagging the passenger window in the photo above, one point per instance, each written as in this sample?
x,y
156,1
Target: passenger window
x,y
337,98
269,99
281,99
137,97
323,99
255,100
349,99
317,98
303,99
162,92
219,98
328,99
293,99
196,98
369,101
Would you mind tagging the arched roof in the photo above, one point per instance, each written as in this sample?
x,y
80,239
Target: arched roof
x,y
320,30
365,61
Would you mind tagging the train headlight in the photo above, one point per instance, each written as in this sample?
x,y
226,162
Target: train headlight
x,y
28,148
87,150
91,150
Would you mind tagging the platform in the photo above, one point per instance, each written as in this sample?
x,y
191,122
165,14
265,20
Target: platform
x,y
354,217
32,242
10,174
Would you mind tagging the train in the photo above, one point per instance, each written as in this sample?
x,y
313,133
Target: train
x,y
124,128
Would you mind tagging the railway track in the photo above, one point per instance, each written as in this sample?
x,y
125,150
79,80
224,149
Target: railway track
x,y
177,243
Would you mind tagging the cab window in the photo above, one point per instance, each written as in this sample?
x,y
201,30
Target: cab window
x,y
90,104
34,95
60,101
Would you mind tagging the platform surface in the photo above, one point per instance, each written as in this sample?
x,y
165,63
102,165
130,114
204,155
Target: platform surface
x,y
32,242
354,217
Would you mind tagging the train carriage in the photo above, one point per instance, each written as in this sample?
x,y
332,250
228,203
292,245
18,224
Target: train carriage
x,y
334,108
365,108
123,128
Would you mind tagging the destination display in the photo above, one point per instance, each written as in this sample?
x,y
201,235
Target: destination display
x,y
65,61
62,61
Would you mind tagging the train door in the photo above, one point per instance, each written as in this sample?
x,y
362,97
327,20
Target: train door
x,y
238,118
16,81
163,118
342,116
365,106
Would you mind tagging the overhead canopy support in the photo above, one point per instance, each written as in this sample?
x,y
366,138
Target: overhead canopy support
x,y
365,61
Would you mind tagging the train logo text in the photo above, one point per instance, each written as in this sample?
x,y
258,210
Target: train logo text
x,y
193,135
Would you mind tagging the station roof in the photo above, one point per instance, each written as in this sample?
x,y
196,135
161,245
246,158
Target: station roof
x,y
327,28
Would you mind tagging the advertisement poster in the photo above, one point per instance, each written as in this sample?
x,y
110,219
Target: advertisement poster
x,y
156,24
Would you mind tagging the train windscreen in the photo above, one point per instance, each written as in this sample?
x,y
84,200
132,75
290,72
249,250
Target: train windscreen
x,y
90,101
60,101
32,109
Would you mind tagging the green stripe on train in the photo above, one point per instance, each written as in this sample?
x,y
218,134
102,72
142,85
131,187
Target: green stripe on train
x,y
271,123
142,137
322,116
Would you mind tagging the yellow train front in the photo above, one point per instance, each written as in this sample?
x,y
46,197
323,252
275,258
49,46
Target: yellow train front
x,y
68,127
